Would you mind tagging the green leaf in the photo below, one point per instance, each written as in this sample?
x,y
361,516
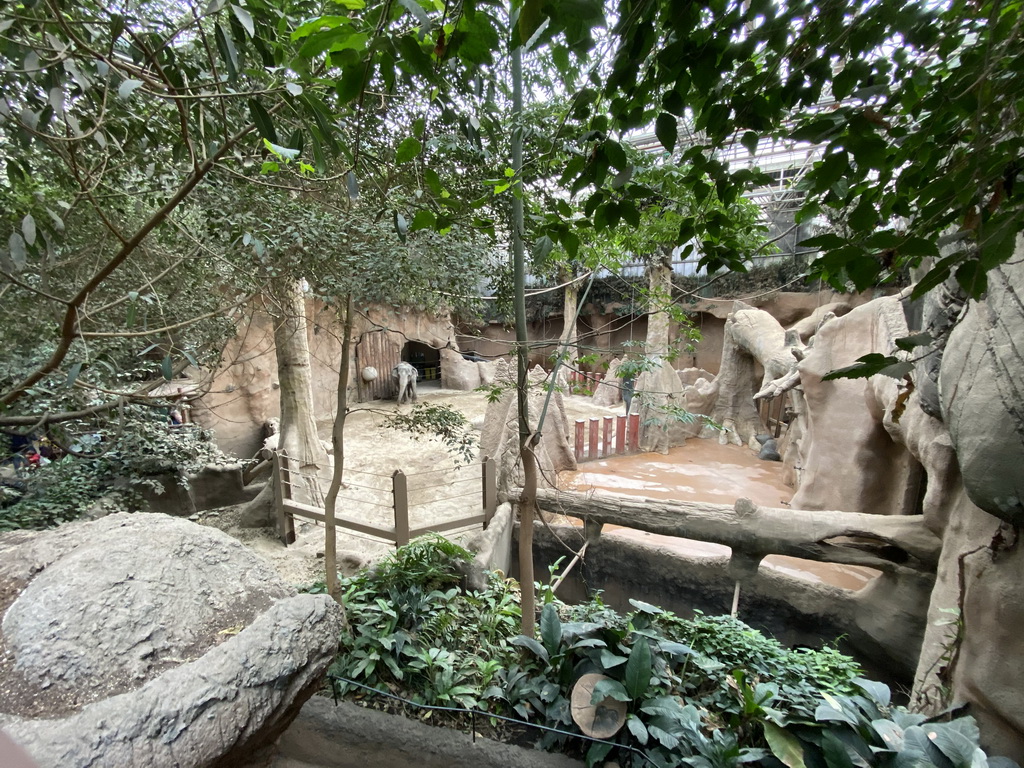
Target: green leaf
x,y
408,149
784,745
401,226
638,668
835,752
666,128
749,141
525,641
264,125
648,608
880,691
127,88
824,242
530,19
73,374
167,368
550,627
285,153
16,244
866,366
226,46
609,689
28,229
245,19
423,219
416,10
541,249
597,752
638,729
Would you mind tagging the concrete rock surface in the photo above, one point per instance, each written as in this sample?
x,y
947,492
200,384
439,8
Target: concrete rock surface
x,y
499,438
981,388
148,640
349,736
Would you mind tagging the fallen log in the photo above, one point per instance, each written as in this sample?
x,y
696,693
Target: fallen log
x,y
884,542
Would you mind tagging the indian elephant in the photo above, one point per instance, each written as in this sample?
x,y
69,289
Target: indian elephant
x,y
404,376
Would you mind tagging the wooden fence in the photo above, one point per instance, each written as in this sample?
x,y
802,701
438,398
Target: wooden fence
x,y
610,436
776,406
584,379
392,494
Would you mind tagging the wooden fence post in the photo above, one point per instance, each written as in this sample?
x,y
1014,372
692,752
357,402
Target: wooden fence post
x,y
400,492
620,434
634,431
580,426
490,488
594,434
606,437
283,490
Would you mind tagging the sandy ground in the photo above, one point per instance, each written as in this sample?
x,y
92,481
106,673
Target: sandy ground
x,y
440,489
703,470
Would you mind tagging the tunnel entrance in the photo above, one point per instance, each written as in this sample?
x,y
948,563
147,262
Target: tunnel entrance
x,y
426,360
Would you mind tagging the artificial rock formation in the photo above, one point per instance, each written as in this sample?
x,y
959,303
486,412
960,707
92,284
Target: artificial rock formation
x,y
609,389
973,645
843,422
752,337
658,394
148,640
981,388
499,438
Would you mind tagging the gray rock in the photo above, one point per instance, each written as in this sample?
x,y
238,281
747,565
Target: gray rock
x,y
981,386
147,640
770,450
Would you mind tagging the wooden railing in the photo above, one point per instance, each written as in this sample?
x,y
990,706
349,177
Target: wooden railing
x,y
773,405
390,492
610,436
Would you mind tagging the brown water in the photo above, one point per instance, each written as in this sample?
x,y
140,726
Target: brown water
x,y
703,470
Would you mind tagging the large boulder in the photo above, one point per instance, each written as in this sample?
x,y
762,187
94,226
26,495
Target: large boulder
x,y
149,640
499,437
981,388
843,422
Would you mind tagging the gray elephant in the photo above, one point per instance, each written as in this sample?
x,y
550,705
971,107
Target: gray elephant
x,y
404,376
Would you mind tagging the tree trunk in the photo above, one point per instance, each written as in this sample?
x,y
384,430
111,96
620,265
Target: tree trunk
x,y
298,433
658,325
299,438
884,542
568,339
338,440
528,501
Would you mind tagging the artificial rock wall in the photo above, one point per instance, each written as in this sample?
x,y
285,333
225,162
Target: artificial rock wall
x,y
244,392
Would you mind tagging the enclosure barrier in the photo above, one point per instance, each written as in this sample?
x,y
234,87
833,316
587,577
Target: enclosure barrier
x,y
394,496
766,406
585,379
616,436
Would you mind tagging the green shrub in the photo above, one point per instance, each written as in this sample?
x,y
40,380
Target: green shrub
x,y
115,464
708,692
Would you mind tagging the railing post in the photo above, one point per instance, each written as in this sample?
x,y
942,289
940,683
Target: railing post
x,y
634,431
490,488
282,491
606,437
580,426
594,434
400,491
620,434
